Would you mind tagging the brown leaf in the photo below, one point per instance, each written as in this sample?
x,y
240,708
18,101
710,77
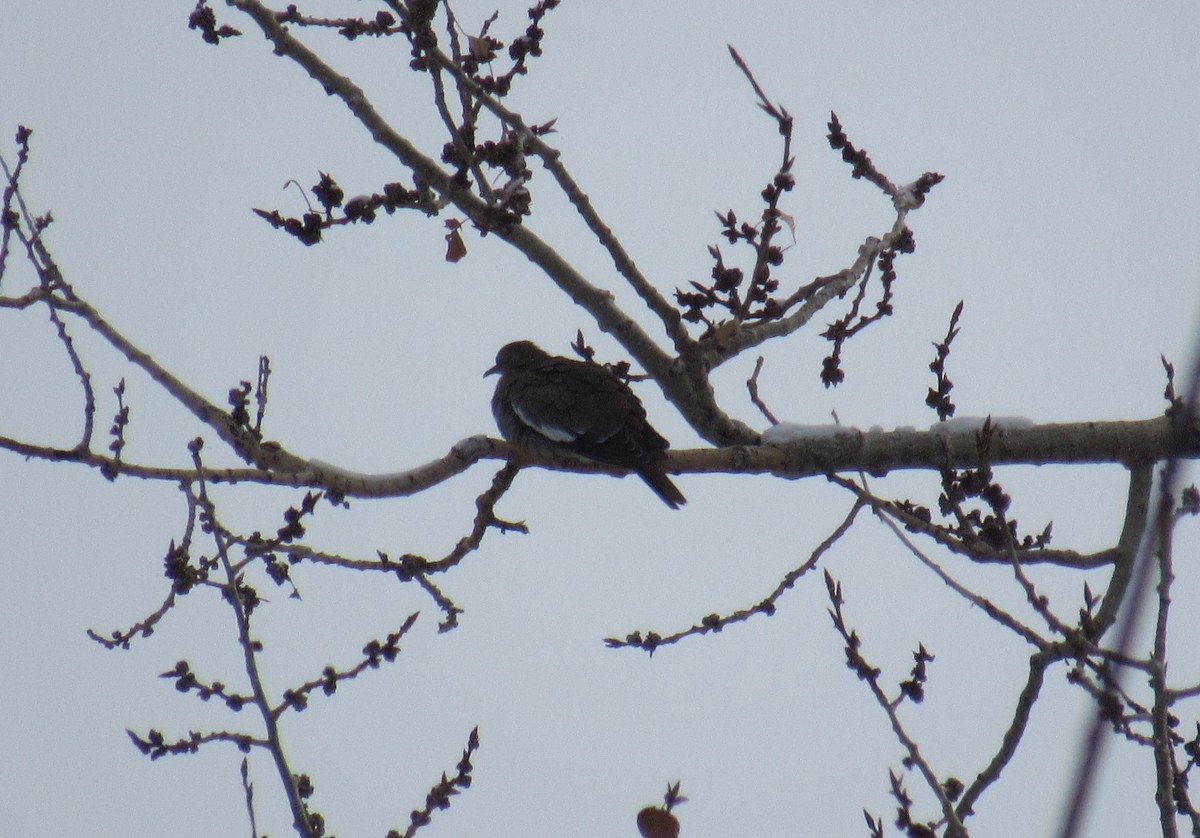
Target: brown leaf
x,y
656,822
456,248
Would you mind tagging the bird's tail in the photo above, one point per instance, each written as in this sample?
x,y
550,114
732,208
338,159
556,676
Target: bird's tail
x,y
656,478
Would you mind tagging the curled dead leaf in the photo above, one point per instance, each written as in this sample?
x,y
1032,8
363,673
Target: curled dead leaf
x,y
656,822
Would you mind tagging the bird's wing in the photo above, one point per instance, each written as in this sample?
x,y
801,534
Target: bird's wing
x,y
568,401
589,410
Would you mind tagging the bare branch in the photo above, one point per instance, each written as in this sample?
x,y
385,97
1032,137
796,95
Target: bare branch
x,y
652,640
1137,514
990,608
1039,662
752,386
236,595
858,664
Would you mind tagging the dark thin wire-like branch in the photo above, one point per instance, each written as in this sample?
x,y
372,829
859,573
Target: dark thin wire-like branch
x,y
1143,569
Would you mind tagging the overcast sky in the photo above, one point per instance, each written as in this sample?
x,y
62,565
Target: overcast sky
x,y
1070,142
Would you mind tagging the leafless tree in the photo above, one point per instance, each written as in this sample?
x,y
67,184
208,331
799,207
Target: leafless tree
x,y
478,183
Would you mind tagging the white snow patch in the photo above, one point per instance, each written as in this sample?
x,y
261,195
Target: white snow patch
x,y
786,432
974,423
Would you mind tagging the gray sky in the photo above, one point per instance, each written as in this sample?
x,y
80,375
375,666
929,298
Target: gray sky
x,y
1067,223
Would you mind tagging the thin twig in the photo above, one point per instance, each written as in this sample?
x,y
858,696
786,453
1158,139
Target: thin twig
x,y
651,640
1164,756
752,386
855,660
991,609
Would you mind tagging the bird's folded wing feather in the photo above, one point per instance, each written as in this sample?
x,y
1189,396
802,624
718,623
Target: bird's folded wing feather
x,y
589,410
571,403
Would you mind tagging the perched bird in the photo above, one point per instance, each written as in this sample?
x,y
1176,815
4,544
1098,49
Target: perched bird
x,y
562,407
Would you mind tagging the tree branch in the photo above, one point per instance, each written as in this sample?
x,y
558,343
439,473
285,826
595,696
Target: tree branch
x,y
875,452
693,398
1137,513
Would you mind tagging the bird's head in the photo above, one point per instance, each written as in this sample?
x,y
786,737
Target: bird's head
x,y
517,355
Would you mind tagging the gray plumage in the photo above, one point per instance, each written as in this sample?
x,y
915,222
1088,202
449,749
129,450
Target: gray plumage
x,y
562,407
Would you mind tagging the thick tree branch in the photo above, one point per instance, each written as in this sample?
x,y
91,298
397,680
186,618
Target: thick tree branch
x,y
880,452
875,452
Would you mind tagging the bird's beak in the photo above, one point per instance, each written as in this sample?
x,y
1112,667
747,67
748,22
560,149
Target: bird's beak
x,y
492,371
